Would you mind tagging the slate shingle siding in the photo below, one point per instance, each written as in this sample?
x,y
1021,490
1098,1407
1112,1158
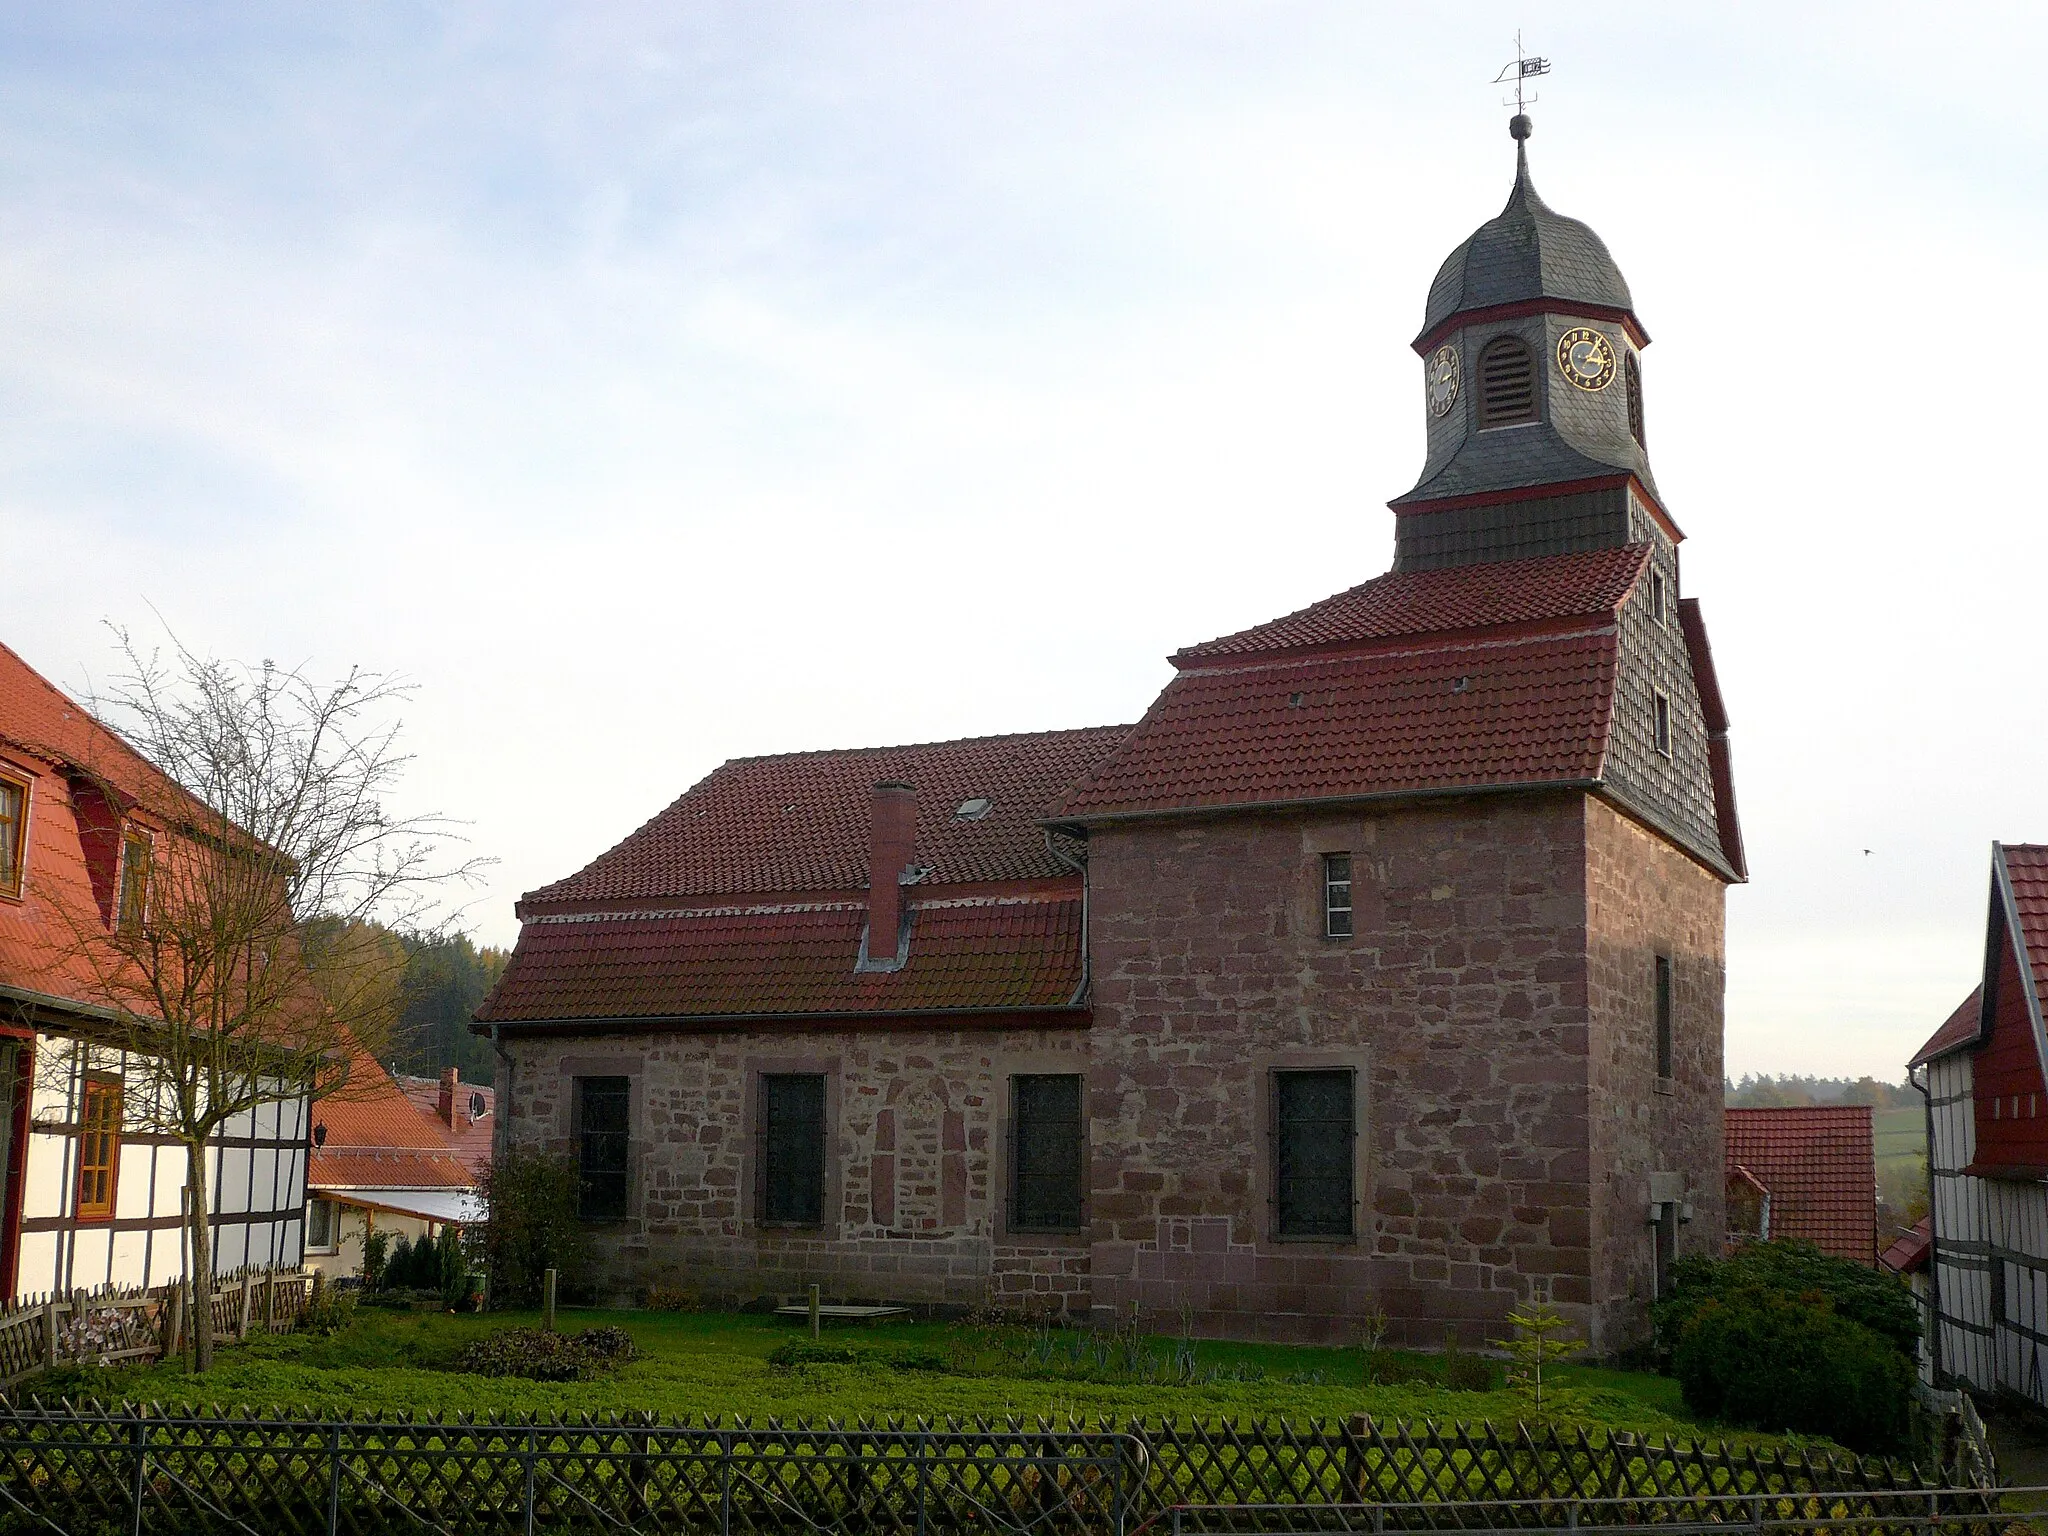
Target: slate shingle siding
x,y
1550,525
1675,793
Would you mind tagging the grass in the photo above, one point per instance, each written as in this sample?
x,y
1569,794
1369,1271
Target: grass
x,y
693,1364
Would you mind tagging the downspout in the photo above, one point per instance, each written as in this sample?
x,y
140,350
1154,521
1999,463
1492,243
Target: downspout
x,y
1926,1092
1080,867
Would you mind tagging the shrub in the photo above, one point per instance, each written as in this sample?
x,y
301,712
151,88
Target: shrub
x,y
530,1225
535,1354
328,1310
803,1352
1856,1292
1767,1360
376,1252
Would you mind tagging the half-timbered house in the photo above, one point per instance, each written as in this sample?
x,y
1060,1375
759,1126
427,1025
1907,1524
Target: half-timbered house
x,y
92,1194
1985,1075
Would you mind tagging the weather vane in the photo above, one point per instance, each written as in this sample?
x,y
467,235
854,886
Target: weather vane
x,y
1524,68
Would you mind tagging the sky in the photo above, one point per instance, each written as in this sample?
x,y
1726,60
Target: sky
x,y
658,384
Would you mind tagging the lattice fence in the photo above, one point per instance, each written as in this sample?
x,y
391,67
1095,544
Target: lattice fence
x,y
112,1324
89,1468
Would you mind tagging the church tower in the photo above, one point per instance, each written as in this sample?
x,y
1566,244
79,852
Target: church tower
x,y
1533,394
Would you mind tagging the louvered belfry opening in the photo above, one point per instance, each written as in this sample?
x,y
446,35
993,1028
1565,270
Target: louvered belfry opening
x,y
1507,383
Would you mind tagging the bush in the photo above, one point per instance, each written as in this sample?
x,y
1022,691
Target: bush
x,y
328,1310
530,1225
1856,1292
1767,1360
535,1354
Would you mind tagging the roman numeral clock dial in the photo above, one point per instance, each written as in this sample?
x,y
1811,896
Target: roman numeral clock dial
x,y
1441,372
1585,357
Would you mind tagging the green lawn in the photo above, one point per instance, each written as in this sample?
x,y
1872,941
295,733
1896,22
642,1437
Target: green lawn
x,y
1900,1133
699,1364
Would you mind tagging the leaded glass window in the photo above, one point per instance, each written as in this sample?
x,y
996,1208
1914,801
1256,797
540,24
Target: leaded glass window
x,y
603,1106
1314,1117
793,1149
1047,1152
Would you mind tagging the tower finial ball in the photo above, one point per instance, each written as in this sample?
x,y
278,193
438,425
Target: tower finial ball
x,y
1519,126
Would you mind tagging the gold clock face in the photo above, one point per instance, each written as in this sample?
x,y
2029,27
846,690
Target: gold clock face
x,y
1586,357
1442,373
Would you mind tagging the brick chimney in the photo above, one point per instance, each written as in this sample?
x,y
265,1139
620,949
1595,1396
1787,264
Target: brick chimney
x,y
444,1102
892,843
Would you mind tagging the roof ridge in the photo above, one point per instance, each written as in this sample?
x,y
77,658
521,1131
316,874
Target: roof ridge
x,y
922,746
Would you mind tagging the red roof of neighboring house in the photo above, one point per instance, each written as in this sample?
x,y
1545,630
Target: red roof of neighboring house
x,y
2026,873
1819,1164
1458,597
799,822
1910,1249
374,1138
470,1136
981,954
1958,1030
64,753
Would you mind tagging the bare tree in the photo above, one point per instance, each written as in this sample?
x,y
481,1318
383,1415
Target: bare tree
x,y
242,950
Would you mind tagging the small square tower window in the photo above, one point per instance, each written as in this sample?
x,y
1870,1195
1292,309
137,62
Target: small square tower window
x,y
1661,724
1337,895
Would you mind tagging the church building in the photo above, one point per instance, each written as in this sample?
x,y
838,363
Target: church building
x,y
1378,966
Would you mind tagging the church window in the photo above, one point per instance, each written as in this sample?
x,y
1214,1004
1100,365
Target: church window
x,y
1663,990
603,1106
1337,895
99,1147
1314,1119
1047,1149
1660,708
793,1149
1507,383
1657,598
1633,373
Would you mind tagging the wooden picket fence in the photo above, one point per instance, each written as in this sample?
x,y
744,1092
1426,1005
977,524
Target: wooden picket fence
x,y
115,1323
90,1467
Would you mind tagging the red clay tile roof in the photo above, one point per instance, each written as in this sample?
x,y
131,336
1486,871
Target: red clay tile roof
x,y
1957,1031
42,733
1533,710
376,1139
1820,1167
2026,869
470,1137
989,953
1460,597
1910,1249
799,822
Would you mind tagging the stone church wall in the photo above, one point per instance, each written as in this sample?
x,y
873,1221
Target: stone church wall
x,y
1644,898
914,1128
1462,1003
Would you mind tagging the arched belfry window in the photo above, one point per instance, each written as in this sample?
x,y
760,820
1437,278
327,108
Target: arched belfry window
x,y
1634,373
1507,383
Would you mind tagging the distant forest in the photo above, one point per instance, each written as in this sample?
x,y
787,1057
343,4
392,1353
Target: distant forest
x,y
1764,1091
445,980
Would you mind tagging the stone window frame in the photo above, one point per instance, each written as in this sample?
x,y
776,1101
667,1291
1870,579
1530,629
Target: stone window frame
x,y
1000,1163
1266,1172
634,1070
753,1161
1352,839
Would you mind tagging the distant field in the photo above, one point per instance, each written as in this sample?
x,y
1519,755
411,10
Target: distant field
x,y
1901,1134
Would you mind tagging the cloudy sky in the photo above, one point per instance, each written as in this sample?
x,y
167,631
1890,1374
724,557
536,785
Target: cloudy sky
x,y
656,384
